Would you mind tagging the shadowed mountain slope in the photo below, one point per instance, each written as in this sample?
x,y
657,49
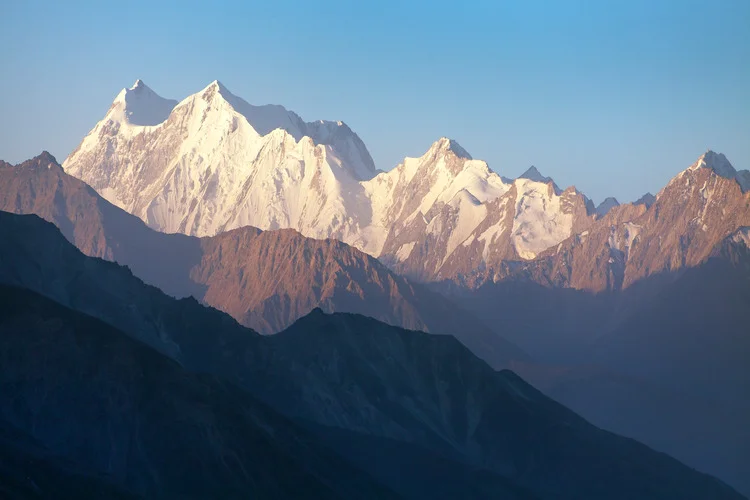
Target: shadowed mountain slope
x,y
349,373
264,279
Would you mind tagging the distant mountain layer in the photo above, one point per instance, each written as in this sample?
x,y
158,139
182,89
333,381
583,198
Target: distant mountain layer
x,y
264,279
663,361
345,380
644,306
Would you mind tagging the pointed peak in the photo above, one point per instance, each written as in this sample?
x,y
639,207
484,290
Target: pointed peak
x,y
140,106
446,145
647,199
533,174
716,162
464,196
719,164
217,85
139,88
45,156
214,88
42,160
605,206
609,200
138,85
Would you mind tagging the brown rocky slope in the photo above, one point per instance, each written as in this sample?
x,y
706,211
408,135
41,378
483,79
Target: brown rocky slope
x,y
265,280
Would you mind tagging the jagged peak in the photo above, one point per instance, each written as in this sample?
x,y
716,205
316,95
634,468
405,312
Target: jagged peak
x,y
716,162
721,166
42,160
446,145
533,174
267,118
45,156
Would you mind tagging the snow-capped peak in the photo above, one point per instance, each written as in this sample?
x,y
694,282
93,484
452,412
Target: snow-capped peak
x,y
219,162
446,145
722,167
138,88
216,84
264,119
140,106
716,162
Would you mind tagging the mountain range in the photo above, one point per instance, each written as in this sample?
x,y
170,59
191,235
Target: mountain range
x,y
632,315
314,404
215,162
265,279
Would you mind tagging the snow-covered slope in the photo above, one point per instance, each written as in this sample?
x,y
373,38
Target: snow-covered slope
x,y
217,162
141,106
474,225
214,162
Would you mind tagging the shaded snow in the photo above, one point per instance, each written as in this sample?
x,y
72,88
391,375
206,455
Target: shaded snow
x,y
469,214
539,221
405,250
141,106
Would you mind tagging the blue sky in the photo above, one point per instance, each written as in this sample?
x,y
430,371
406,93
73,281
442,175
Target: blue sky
x,y
612,96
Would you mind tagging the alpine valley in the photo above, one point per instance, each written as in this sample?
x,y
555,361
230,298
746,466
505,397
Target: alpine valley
x,y
212,299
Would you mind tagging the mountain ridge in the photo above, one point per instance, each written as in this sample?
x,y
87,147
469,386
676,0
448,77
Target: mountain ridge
x,y
264,279
192,176
410,387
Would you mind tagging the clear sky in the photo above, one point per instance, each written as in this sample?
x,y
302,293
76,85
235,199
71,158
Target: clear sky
x,y
613,96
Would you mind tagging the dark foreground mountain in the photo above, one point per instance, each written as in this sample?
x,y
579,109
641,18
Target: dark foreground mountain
x,y
120,413
29,471
376,395
264,279
663,361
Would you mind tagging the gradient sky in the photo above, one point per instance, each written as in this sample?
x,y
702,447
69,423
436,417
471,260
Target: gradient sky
x,y
612,96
